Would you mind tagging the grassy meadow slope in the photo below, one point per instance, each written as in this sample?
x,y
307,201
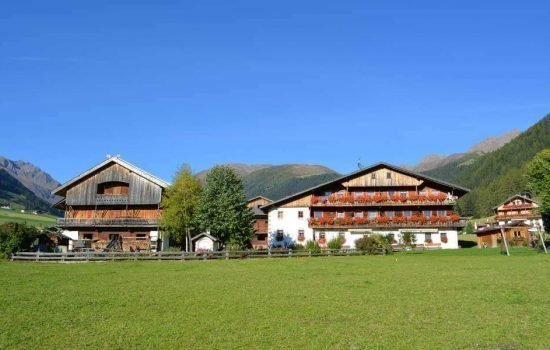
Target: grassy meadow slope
x,y
467,298
26,218
495,176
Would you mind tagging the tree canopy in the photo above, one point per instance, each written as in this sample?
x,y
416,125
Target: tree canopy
x,y
538,174
179,204
222,208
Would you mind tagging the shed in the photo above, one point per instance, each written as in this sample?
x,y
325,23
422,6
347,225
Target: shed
x,y
205,242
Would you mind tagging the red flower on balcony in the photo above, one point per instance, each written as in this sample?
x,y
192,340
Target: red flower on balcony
x,y
312,221
422,197
396,197
360,221
330,221
332,198
399,219
348,221
382,220
441,196
402,198
348,198
413,196
339,221
322,241
434,219
314,199
455,218
433,196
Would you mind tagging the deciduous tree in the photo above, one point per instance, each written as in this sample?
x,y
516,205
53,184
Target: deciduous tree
x,y
179,205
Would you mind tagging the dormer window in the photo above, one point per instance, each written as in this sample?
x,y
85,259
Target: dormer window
x,y
113,188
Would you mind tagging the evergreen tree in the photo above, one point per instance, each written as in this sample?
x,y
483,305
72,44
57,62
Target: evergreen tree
x,y
179,204
538,173
222,208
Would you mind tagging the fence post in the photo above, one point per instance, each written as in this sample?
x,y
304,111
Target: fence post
x,y
269,252
309,253
159,255
226,255
12,255
383,250
37,255
182,255
290,253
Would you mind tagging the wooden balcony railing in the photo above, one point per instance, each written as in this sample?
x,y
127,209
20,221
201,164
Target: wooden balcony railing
x,y
389,224
105,199
107,222
347,201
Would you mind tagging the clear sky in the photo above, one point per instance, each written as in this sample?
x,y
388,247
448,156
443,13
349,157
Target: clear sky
x,y
325,82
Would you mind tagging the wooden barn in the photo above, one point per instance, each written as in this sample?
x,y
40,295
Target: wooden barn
x,y
516,234
261,237
518,208
113,206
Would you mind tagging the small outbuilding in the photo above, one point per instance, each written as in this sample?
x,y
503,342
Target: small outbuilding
x,y
204,242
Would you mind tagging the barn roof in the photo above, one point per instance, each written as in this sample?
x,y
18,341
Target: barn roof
x,y
112,160
204,234
359,172
516,196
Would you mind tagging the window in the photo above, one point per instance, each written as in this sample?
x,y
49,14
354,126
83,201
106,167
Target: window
x,y
427,213
373,176
391,193
444,237
141,236
113,188
340,214
358,214
517,234
388,175
328,193
403,193
88,236
422,193
341,234
279,214
261,237
322,235
427,237
280,235
408,213
441,212
389,214
318,214
300,214
372,214
301,235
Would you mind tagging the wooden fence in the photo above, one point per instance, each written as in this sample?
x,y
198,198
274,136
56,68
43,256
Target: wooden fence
x,y
221,255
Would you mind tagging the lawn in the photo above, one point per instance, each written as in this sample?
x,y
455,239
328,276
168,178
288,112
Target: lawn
x,y
28,218
469,298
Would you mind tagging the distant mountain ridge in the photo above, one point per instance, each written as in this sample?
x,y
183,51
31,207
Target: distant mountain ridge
x,y
278,181
15,193
496,175
489,144
32,177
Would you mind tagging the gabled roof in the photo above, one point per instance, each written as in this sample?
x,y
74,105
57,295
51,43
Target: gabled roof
x,y
204,234
366,170
258,197
516,196
120,162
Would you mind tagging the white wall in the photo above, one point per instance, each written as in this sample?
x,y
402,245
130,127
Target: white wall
x,y
204,244
290,223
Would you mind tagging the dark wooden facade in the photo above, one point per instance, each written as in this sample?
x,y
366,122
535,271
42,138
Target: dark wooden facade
x,y
516,234
114,201
261,236
517,207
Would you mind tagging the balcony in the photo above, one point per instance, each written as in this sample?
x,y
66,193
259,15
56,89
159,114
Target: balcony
x,y
111,222
384,222
381,200
106,199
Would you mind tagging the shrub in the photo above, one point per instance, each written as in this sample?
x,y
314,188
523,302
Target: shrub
x,y
296,246
313,247
15,237
372,244
336,243
408,239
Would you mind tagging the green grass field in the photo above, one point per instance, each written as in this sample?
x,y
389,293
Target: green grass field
x,y
28,218
468,298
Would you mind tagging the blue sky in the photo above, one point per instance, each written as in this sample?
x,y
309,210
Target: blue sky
x,y
204,82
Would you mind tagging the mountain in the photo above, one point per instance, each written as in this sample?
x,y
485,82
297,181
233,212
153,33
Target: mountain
x,y
14,192
278,181
495,175
32,177
490,144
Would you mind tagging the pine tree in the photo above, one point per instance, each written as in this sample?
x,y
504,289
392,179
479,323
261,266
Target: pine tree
x,y
222,208
179,205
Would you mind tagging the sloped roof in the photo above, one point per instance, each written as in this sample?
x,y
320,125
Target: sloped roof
x,y
258,197
464,190
204,234
516,196
106,162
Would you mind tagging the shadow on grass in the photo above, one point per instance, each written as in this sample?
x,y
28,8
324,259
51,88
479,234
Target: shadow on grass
x,y
466,244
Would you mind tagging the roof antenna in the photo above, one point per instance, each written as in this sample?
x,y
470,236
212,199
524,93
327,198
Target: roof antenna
x,y
359,164
107,156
